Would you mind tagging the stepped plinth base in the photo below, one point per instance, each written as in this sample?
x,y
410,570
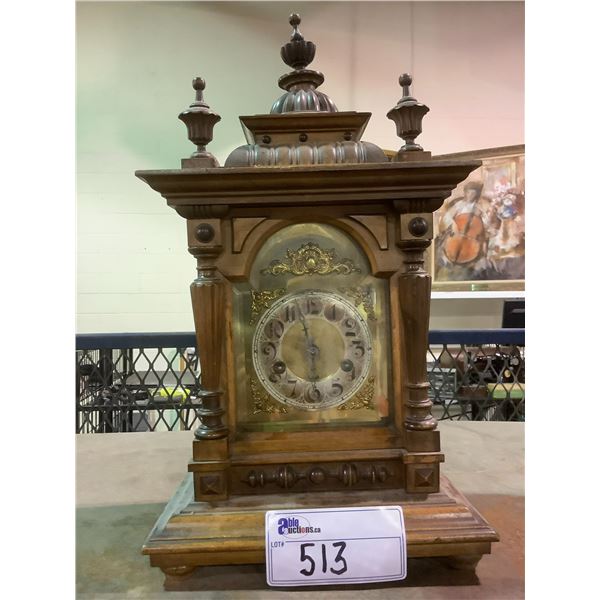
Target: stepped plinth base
x,y
191,534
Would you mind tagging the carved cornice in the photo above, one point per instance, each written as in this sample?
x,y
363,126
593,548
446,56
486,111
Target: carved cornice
x,y
202,211
427,183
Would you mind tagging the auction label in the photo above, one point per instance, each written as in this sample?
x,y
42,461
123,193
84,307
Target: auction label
x,y
335,545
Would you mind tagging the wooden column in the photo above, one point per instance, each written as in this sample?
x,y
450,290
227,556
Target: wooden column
x,y
208,291
208,304
415,299
421,461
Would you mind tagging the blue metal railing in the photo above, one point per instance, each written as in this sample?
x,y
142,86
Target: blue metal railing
x,y
477,336
119,341
116,341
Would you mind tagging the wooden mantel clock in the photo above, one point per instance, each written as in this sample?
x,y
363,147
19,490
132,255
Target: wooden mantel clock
x,y
311,310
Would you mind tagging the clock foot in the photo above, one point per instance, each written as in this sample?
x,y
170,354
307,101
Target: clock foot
x,y
463,562
176,576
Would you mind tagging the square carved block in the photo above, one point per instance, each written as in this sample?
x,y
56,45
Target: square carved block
x,y
210,486
416,226
423,478
203,450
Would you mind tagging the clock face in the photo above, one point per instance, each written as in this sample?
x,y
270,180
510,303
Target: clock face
x,y
312,350
310,334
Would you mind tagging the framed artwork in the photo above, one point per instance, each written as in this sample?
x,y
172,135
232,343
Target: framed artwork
x,y
479,233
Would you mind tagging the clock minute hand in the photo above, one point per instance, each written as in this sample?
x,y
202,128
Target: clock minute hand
x,y
311,347
303,322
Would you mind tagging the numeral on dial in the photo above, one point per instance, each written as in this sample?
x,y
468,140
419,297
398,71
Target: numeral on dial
x,y
274,329
333,312
290,313
349,323
269,349
359,349
313,306
293,383
336,390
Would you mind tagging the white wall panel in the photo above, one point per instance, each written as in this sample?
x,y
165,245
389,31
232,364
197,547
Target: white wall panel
x,y
135,63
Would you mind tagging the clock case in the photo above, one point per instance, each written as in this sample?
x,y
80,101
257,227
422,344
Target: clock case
x,y
306,162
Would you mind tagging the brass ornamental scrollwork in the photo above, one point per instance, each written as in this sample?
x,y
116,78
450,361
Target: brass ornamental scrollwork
x,y
362,295
311,259
261,402
262,300
363,398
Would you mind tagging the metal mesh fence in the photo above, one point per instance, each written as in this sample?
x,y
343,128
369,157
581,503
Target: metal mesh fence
x,y
484,382
142,382
147,382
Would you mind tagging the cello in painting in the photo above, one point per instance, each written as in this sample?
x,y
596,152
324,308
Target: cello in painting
x,y
464,238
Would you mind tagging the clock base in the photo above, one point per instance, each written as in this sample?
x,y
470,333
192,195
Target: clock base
x,y
191,534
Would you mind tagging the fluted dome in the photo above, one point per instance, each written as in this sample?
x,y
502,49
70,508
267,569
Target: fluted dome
x,y
302,94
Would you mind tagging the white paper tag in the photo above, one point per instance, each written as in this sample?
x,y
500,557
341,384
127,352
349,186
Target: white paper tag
x,y
335,545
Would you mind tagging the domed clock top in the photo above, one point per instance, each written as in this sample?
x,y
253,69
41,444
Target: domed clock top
x,y
304,126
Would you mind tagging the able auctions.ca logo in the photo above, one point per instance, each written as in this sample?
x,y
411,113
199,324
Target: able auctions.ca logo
x,y
295,527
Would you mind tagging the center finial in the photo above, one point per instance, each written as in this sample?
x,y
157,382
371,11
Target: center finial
x,y
302,83
297,53
295,20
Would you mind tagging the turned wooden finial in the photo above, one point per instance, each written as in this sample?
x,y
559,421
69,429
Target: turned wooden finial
x,y
298,53
200,121
199,85
405,81
295,20
302,83
408,115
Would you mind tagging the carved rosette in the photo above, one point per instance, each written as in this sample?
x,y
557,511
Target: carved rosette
x,y
310,259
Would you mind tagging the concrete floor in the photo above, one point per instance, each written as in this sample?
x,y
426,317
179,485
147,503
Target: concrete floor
x,y
124,480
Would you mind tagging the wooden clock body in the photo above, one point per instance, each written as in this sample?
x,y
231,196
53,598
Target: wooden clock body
x,y
302,224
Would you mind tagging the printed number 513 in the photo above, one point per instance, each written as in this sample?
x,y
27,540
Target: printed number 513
x,y
310,553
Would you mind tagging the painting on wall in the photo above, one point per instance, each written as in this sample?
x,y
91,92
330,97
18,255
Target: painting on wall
x,y
479,232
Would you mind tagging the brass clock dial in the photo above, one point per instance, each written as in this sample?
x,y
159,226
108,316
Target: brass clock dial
x,y
312,350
